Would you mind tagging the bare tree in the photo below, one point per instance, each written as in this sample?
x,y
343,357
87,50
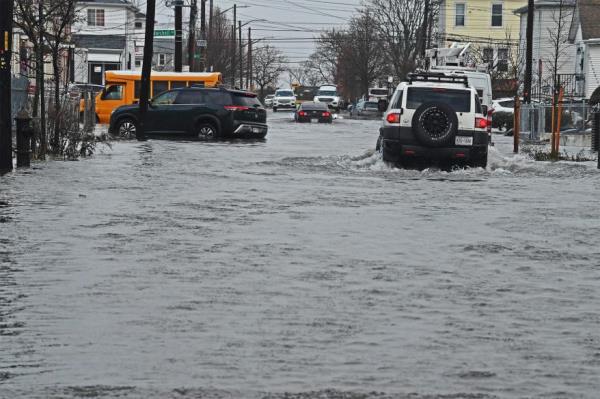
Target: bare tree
x,y
558,36
269,64
399,24
218,52
57,36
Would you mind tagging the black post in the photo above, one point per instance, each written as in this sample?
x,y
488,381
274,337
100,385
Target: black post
x,y
23,139
241,55
202,63
6,31
178,34
146,68
208,59
528,53
424,29
192,35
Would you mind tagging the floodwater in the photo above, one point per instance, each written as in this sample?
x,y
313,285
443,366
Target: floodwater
x,y
298,267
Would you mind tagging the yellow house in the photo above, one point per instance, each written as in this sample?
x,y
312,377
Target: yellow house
x,y
491,27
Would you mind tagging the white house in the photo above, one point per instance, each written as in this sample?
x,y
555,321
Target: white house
x,y
585,35
548,16
104,37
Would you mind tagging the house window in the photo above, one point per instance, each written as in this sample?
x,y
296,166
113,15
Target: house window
x,y
497,15
138,63
139,25
502,60
488,55
95,17
162,59
459,19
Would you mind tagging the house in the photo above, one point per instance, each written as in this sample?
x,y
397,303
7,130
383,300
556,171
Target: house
x,y
489,25
553,55
584,33
103,34
163,57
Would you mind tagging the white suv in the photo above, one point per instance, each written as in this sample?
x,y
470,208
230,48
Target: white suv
x,y
284,98
329,96
435,118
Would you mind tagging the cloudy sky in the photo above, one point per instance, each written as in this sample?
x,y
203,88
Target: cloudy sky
x,y
291,25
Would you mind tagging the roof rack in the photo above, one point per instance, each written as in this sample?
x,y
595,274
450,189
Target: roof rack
x,y
438,77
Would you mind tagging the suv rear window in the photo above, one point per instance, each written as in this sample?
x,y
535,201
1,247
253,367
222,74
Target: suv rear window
x,y
249,101
217,97
459,100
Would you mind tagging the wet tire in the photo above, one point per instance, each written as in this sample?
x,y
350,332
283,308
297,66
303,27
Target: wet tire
x,y
435,124
378,144
206,131
127,128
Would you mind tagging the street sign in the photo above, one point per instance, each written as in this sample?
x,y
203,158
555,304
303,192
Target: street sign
x,y
164,32
201,43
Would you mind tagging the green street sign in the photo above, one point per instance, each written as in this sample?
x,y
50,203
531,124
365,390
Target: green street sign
x,y
164,32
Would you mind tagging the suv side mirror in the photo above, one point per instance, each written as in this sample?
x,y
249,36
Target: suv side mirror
x,y
484,110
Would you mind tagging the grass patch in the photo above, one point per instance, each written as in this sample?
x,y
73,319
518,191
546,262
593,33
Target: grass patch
x,y
539,154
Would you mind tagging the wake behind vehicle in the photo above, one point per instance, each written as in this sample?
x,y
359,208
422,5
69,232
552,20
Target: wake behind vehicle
x,y
435,119
284,98
313,111
201,112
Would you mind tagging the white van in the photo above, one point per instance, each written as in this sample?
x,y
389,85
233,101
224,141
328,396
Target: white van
x,y
377,93
481,81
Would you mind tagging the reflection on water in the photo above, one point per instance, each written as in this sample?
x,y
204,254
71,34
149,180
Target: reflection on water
x,y
298,267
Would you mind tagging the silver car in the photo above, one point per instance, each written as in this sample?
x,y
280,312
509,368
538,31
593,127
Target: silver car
x,y
269,100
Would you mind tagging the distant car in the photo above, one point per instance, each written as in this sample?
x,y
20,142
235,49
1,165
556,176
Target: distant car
x,y
328,95
269,100
204,113
313,111
366,108
504,105
284,98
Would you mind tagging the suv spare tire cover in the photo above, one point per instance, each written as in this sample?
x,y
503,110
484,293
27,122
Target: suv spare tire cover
x,y
435,124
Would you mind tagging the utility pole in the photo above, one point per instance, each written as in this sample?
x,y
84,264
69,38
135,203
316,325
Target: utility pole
x,y
208,62
6,23
241,62
249,63
178,33
192,35
528,53
233,46
424,29
203,34
146,68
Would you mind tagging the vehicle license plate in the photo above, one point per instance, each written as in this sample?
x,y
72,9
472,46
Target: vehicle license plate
x,y
463,140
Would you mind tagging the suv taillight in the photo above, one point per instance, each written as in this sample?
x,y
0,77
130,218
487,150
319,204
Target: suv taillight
x,y
393,117
481,123
237,107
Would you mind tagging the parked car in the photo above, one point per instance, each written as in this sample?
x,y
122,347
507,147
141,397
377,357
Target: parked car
x,y
202,112
366,108
269,100
504,105
284,98
435,119
377,93
313,111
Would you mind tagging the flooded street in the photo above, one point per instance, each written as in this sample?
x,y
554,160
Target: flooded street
x,y
300,267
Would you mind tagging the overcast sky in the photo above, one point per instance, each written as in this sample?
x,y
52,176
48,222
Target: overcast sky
x,y
290,25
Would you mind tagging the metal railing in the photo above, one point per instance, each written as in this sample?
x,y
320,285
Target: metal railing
x,y
536,119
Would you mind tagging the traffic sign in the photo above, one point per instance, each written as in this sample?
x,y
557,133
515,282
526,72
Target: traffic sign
x,y
164,32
